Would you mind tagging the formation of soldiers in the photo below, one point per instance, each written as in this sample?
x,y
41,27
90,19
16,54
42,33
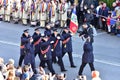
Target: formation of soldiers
x,y
47,46
34,11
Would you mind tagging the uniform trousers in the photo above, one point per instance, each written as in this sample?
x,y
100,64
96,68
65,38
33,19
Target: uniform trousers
x,y
60,62
21,59
70,58
83,65
49,63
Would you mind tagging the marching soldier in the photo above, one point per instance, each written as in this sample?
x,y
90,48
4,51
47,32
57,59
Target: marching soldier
x,y
43,8
24,9
15,11
46,54
36,41
48,30
63,12
57,50
33,13
29,55
67,45
25,39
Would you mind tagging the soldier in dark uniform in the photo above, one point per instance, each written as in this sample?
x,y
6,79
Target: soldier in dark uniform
x,y
36,41
88,56
46,54
29,56
48,30
25,38
67,45
57,50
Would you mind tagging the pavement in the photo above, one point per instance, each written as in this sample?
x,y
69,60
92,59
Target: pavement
x,y
106,52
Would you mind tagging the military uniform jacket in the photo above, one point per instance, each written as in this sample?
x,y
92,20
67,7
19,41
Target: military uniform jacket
x,y
25,45
47,32
67,42
57,50
46,53
88,53
36,42
29,57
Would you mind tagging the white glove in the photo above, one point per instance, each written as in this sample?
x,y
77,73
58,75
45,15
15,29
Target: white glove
x,y
58,37
52,42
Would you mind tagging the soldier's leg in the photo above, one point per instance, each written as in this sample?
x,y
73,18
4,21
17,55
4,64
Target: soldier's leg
x,y
54,60
92,66
21,59
50,67
71,59
81,68
63,54
42,63
61,63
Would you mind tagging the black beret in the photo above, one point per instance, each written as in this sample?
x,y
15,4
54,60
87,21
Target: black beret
x,y
26,30
37,28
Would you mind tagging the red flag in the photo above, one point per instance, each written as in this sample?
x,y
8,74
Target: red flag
x,y
74,22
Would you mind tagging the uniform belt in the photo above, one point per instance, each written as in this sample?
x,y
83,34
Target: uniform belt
x,y
21,47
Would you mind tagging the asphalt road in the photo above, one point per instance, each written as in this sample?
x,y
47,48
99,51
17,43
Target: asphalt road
x,y
106,52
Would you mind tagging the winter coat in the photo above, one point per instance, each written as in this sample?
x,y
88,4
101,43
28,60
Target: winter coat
x,y
88,56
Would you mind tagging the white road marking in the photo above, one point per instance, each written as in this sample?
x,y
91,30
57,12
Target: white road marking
x,y
74,55
9,43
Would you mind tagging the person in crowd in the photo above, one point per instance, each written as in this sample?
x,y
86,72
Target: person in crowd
x,y
62,12
104,11
43,12
24,9
87,57
33,11
1,10
98,22
108,24
88,17
67,45
25,74
80,10
95,75
93,11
